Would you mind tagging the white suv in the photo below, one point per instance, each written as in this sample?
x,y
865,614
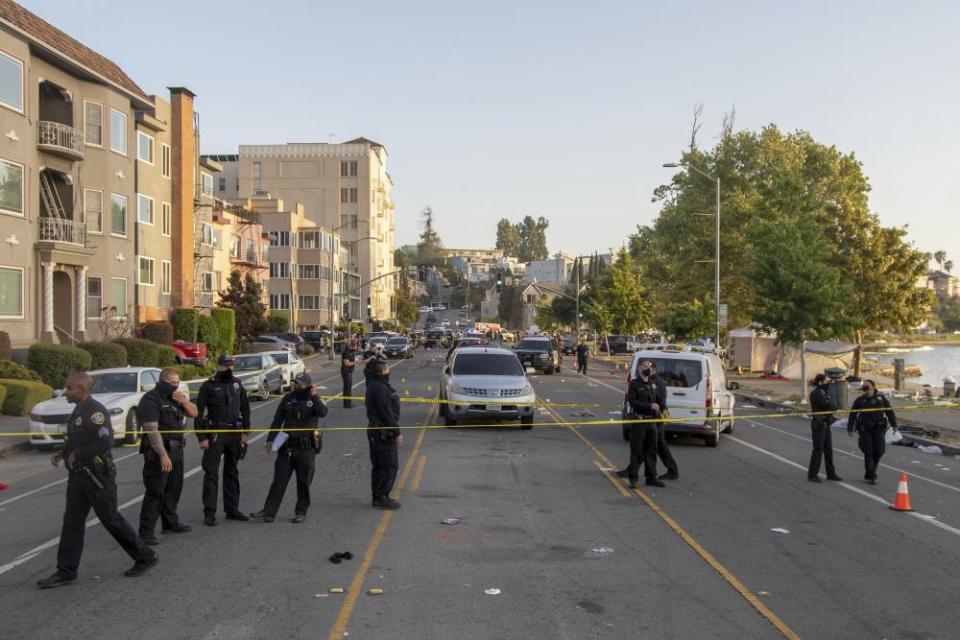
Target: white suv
x,y
486,382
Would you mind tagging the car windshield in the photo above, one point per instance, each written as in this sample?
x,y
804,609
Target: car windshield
x,y
281,358
246,363
377,340
487,364
535,345
397,342
125,382
678,372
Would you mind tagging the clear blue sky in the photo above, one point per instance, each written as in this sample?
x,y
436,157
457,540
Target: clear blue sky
x,y
560,109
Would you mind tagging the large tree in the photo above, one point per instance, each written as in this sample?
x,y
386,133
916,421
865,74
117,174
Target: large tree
x,y
245,296
532,239
623,296
430,247
507,238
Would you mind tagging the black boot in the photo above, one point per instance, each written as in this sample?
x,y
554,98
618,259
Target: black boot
x,y
59,579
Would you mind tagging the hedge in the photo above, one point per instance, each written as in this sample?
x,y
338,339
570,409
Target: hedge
x,y
278,322
193,372
5,352
14,371
106,355
159,332
140,352
166,356
3,394
23,395
208,331
227,321
185,324
305,349
54,362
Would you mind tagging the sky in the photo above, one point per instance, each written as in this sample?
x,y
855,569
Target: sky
x,y
559,109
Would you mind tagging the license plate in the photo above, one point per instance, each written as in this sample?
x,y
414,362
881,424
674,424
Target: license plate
x,y
493,407
530,369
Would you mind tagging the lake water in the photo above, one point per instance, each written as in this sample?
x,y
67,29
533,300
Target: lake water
x,y
935,363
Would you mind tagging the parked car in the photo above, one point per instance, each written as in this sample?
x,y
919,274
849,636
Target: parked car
x,y
699,399
290,365
316,339
118,389
398,347
618,344
488,383
540,352
274,341
568,345
289,336
425,309
259,373
190,352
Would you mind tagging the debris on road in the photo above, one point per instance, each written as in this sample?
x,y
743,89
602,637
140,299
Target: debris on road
x,y
599,552
320,595
779,530
3,485
375,592
763,593
451,521
934,449
492,592
336,589
748,406
583,414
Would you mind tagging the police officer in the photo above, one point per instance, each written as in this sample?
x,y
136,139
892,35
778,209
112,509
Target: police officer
x,y
300,412
91,483
370,367
222,404
383,434
348,361
582,353
869,417
642,396
821,408
663,451
161,412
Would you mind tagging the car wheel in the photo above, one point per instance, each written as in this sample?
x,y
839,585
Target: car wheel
x,y
526,422
730,425
448,421
712,440
264,393
131,434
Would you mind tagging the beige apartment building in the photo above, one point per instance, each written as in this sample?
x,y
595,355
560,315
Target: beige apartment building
x,y
344,188
240,244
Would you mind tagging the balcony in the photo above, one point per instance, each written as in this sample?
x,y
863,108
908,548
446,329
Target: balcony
x,y
202,250
60,139
62,230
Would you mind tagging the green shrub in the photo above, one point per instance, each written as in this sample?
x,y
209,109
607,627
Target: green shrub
x,y
159,332
54,362
185,324
193,372
227,322
3,395
208,331
23,395
166,356
5,351
14,371
305,349
106,355
278,322
140,352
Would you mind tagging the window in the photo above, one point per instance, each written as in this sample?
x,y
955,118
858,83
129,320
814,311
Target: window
x,y
166,276
221,184
218,280
165,160
279,300
118,294
235,246
118,215
145,209
207,234
93,210
11,292
94,296
166,218
207,184
309,240
145,272
144,147
348,195
11,188
93,123
207,281
348,168
257,171
217,238
308,302
353,194
279,238
118,131
279,269
308,271
11,82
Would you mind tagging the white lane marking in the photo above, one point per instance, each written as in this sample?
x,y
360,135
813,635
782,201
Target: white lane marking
x,y
919,516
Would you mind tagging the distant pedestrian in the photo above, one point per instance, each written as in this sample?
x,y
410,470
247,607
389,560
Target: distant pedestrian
x,y
663,451
582,353
822,408
383,435
870,416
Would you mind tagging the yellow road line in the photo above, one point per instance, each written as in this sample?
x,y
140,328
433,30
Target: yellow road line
x,y
725,573
356,585
418,474
616,483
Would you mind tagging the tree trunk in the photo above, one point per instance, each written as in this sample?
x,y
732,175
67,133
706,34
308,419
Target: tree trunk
x,y
858,355
803,370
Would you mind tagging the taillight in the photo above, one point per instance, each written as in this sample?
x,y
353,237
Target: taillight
x,y
709,393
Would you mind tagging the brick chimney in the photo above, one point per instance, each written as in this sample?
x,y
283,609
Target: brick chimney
x,y
182,167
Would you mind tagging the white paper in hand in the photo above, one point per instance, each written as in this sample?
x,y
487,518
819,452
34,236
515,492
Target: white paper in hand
x,y
280,438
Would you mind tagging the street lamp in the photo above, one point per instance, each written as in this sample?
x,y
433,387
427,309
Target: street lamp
x,y
716,261
330,283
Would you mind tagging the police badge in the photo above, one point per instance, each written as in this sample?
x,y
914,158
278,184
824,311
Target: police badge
x,y
97,417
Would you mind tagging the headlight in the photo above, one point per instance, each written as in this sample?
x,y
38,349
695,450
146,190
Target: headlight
x,y
543,356
528,390
116,411
455,388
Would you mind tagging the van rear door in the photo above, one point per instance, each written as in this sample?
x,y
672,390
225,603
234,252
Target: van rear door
x,y
686,386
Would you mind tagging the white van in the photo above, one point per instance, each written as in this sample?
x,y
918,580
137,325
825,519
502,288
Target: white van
x,y
697,393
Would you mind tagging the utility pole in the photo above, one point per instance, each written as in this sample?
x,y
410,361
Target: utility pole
x,y
330,297
577,265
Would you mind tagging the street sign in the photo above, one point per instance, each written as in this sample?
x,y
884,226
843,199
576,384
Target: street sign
x,y
723,315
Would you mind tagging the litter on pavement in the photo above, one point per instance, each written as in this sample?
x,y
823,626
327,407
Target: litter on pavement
x,y
451,521
934,449
779,530
748,406
492,592
599,552
336,589
375,592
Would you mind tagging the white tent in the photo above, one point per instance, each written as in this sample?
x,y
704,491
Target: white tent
x,y
753,350
818,356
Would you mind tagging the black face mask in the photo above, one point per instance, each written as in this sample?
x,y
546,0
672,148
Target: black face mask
x,y
645,373
225,375
166,389
301,393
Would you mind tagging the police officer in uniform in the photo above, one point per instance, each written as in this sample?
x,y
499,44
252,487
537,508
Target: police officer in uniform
x,y
822,408
222,404
161,412
582,354
91,483
869,417
370,367
663,450
383,434
642,396
348,361
300,412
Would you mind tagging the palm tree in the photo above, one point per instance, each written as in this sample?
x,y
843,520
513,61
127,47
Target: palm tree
x,y
948,266
939,257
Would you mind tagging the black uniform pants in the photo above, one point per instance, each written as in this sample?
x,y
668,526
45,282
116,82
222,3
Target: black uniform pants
x,y
822,448
226,447
83,495
290,461
873,445
385,462
663,451
643,451
347,375
162,490
582,365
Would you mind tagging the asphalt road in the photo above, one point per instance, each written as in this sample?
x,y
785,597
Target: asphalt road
x,y
572,552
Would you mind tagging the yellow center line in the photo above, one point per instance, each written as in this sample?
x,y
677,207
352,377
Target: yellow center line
x,y
616,484
356,585
418,474
725,573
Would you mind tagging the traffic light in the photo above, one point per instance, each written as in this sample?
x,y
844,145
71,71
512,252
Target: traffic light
x,y
369,306
499,282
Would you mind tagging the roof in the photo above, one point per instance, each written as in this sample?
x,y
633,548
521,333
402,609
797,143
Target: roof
x,y
47,34
224,157
362,140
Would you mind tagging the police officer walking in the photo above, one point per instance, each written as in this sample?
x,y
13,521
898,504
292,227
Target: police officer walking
x,y
822,408
91,483
300,412
582,353
869,417
642,396
663,450
161,412
348,361
383,434
222,404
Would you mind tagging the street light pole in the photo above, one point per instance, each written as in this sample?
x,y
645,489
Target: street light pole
x,y
577,265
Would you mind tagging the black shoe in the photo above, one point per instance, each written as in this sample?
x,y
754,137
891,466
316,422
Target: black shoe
x,y
670,475
387,503
178,528
298,518
236,515
622,473
633,483
872,481
59,579
814,479
140,567
150,540
835,478
210,521
653,482
261,516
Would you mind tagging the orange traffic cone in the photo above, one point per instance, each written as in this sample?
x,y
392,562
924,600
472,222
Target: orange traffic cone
x,y
902,501
3,485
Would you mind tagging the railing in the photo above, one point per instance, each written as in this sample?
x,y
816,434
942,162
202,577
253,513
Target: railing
x,y
62,230
60,136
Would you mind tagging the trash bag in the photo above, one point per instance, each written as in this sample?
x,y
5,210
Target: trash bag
x,y
892,436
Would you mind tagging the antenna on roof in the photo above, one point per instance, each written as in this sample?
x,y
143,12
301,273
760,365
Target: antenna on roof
x,y
330,137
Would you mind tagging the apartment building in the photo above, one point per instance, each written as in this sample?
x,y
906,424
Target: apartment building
x,y
239,244
555,270
344,188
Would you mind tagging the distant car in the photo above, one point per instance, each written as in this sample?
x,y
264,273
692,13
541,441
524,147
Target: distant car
x,y
488,383
289,336
399,347
441,307
259,373
316,339
540,352
568,345
618,344
426,309
119,390
190,352
290,365
275,341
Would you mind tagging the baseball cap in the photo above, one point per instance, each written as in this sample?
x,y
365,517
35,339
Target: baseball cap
x,y
224,360
303,378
